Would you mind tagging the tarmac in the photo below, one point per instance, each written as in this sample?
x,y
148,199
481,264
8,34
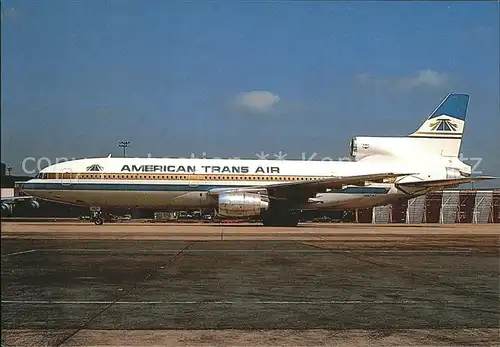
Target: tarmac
x,y
135,284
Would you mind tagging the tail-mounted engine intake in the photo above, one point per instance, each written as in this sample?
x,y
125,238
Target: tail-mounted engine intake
x,y
242,204
353,147
361,147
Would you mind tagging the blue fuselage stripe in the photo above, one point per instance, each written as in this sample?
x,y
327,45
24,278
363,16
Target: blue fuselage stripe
x,y
173,187
124,186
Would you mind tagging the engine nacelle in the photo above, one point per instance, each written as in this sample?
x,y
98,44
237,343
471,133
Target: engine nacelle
x,y
242,204
361,147
34,204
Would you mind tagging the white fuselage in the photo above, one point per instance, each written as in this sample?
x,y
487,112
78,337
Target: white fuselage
x,y
173,183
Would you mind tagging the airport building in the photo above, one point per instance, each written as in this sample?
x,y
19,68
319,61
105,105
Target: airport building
x,y
447,207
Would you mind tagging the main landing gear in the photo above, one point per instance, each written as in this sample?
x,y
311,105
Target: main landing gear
x,y
97,217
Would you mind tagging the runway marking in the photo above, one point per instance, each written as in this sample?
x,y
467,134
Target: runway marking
x,y
83,250
150,273
424,251
22,252
223,302
322,250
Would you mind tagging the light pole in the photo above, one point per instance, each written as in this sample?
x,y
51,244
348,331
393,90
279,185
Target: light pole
x,y
124,145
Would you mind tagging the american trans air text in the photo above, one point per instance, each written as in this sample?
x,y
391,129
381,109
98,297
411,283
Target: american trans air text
x,y
203,169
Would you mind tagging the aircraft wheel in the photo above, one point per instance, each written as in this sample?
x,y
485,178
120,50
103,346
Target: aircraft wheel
x,y
98,221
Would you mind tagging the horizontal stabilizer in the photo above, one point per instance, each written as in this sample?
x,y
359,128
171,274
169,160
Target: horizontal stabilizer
x,y
444,183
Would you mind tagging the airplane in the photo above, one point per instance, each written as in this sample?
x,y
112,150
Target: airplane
x,y
384,170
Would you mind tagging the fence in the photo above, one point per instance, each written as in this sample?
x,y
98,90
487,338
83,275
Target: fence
x,y
454,206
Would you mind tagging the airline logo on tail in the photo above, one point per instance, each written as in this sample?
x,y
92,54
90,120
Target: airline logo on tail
x,y
443,125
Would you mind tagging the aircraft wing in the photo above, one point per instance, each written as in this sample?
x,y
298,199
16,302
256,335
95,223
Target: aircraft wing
x,y
309,188
438,184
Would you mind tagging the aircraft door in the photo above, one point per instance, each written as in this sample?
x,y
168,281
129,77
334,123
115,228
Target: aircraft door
x,y
193,182
66,177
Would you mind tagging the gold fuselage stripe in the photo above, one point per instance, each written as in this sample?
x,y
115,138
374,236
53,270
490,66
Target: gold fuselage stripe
x,y
176,177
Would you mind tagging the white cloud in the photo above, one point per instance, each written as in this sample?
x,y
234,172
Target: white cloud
x,y
9,12
261,101
423,79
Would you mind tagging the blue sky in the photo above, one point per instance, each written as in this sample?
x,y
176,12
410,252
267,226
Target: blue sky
x,y
238,78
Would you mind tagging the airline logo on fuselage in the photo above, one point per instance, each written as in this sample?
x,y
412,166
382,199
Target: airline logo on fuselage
x,y
200,169
94,168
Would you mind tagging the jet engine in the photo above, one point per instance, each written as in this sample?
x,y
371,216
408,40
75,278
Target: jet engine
x,y
361,147
241,204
